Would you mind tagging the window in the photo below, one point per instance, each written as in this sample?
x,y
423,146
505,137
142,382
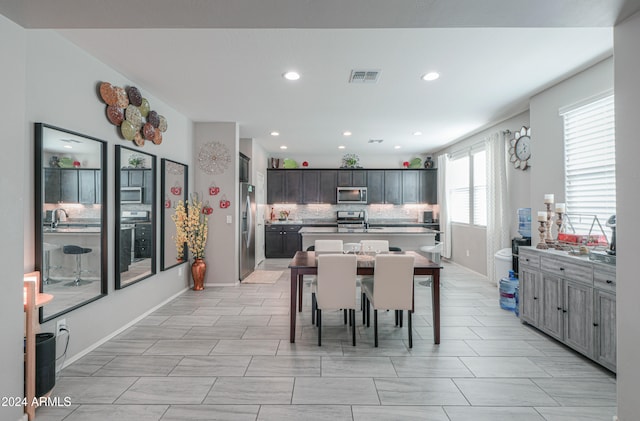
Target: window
x,y
590,170
468,205
458,183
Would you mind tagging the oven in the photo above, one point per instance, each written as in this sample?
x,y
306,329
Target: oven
x,y
351,220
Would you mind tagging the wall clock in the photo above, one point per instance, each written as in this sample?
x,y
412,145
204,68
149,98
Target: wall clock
x,y
520,149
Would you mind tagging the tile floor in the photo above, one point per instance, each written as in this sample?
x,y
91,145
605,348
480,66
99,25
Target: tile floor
x,y
224,354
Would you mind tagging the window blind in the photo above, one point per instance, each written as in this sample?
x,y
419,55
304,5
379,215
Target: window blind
x,y
589,146
480,188
458,182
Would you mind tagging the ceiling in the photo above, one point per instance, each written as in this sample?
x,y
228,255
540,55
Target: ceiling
x,y
216,60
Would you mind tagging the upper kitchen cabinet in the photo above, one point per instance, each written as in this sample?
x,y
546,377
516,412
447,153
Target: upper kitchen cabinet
x,y
419,186
243,164
375,186
429,186
71,185
284,186
393,186
319,186
352,178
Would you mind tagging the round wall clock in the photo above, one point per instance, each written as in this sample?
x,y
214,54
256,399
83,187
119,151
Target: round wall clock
x,y
520,149
214,158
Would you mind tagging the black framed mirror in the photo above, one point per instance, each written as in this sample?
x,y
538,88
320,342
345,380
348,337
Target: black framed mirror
x,y
70,218
135,230
174,180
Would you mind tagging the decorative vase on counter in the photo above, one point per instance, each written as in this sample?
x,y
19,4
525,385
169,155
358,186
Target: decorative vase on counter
x,y
198,269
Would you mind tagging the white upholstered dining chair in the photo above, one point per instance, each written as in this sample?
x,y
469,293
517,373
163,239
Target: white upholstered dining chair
x,y
374,245
391,288
334,246
336,287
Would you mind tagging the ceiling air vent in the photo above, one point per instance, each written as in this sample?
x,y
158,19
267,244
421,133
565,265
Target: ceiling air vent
x,y
364,76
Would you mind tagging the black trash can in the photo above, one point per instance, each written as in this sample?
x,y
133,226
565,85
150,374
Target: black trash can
x,y
45,363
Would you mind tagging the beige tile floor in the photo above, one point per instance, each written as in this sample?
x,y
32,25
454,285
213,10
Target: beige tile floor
x,y
224,354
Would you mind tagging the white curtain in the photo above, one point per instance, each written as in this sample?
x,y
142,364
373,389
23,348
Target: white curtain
x,y
445,219
498,217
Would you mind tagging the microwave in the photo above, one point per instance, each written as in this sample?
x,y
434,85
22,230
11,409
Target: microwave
x,y
356,195
130,194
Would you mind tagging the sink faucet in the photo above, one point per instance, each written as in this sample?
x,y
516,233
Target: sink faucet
x,y
54,216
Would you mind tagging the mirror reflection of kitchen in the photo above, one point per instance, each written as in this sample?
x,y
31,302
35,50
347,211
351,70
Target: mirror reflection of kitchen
x,y
72,209
136,258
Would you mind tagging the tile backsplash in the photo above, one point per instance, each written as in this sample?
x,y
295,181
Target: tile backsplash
x,y
327,211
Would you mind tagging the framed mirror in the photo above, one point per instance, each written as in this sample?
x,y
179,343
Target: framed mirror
x,y
135,235
70,218
174,181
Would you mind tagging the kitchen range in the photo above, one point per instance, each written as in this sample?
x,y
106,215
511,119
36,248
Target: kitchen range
x,y
136,239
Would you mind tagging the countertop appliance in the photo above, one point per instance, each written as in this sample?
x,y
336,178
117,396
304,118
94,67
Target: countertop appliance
x,y
356,195
247,218
611,223
352,219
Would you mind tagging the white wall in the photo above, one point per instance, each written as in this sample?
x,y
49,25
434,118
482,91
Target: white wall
x,y
627,89
13,211
547,132
222,245
62,90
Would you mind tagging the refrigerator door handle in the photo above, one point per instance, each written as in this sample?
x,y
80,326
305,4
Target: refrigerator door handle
x,y
249,220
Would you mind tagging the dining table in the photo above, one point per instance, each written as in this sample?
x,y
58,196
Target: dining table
x,y
306,263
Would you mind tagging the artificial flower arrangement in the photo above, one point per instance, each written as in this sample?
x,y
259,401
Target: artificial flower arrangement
x,y
191,227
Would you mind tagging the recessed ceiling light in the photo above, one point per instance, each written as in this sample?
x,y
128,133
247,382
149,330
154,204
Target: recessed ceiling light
x,y
275,133
291,75
397,147
347,133
283,147
417,133
68,146
341,147
431,76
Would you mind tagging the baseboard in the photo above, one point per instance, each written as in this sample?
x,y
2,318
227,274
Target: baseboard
x,y
90,348
225,284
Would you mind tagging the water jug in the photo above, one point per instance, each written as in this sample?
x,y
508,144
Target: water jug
x,y
508,292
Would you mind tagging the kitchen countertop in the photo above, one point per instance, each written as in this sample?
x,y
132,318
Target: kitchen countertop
x,y
370,230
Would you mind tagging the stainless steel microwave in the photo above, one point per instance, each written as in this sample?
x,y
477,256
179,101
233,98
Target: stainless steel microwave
x,y
130,194
356,195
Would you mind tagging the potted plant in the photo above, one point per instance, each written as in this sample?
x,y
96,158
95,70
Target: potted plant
x,y
192,228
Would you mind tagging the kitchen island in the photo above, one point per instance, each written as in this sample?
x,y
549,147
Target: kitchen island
x,y
407,238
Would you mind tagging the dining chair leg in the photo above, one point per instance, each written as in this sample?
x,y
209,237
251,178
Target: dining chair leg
x,y
396,316
345,316
314,305
319,321
354,325
364,309
375,327
368,312
410,328
400,316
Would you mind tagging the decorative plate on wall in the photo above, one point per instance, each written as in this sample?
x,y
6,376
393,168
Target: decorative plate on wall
x,y
214,158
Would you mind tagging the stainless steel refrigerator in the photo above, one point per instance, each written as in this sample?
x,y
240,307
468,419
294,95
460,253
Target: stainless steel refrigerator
x,y
247,225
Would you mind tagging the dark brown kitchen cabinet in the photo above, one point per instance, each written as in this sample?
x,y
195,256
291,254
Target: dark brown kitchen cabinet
x,y
284,186
243,164
71,185
281,240
375,186
411,186
319,186
352,178
429,186
393,187
147,184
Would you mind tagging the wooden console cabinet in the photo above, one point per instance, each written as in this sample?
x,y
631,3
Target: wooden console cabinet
x,y
571,299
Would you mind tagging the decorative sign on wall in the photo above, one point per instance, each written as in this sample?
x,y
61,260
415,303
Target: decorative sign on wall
x,y
131,112
214,158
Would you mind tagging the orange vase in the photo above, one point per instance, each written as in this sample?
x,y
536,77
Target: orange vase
x,y
198,269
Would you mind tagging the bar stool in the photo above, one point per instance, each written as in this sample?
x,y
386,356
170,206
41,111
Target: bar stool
x,y
78,251
47,248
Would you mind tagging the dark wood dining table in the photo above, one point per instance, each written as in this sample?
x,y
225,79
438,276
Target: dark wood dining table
x,y
306,263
